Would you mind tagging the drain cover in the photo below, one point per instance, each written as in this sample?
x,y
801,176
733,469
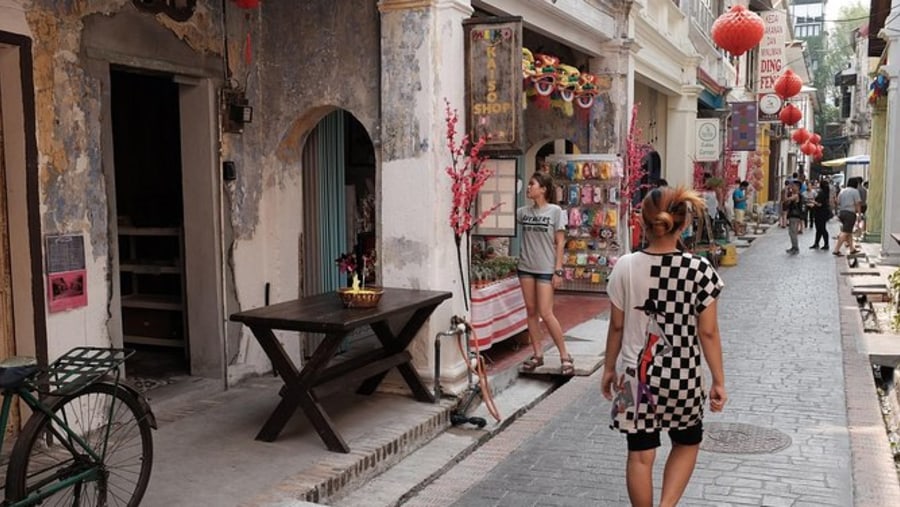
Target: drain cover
x,y
738,438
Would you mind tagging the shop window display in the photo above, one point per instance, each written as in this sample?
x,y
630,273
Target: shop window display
x,y
587,188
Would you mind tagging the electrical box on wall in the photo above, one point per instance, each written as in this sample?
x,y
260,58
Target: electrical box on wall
x,y
236,111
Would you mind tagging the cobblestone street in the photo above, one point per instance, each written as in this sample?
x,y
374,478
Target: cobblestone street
x,y
781,331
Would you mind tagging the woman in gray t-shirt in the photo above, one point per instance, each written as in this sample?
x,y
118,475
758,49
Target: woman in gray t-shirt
x,y
540,268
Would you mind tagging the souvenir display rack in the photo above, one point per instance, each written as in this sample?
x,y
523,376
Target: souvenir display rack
x,y
587,188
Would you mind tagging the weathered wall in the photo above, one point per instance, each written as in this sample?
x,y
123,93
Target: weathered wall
x,y
308,58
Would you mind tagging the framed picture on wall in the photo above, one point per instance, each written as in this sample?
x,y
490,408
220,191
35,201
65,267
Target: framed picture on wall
x,y
498,189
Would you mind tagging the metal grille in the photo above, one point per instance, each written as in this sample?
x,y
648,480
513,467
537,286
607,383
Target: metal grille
x,y
78,368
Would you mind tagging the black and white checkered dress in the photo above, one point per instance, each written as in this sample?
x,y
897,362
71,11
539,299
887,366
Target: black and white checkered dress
x,y
659,365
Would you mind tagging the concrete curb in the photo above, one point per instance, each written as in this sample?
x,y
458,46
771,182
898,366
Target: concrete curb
x,y
875,478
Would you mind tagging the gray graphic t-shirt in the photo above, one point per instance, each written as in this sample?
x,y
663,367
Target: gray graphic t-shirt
x,y
539,226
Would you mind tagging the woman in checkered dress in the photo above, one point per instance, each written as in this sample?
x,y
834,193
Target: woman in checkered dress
x,y
663,316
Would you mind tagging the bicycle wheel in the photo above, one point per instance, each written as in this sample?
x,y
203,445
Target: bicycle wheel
x,y
42,457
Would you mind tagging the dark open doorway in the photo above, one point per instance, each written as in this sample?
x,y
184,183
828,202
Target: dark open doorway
x,y
150,216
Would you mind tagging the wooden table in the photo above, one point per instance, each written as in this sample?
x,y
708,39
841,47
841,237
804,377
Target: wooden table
x,y
326,314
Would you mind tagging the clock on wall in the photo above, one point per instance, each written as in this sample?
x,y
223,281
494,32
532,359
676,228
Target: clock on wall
x,y
770,103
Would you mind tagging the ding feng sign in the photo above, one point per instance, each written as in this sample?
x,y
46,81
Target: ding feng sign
x,y
494,82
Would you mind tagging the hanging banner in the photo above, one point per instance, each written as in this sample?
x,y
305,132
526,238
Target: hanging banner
x,y
709,142
493,69
771,50
743,126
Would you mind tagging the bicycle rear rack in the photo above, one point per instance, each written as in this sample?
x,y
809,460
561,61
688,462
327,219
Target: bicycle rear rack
x,y
77,369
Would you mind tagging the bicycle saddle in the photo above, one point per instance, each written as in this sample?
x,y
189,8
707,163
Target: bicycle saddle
x,y
14,371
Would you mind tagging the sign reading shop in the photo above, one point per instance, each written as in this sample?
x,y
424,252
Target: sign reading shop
x,y
494,82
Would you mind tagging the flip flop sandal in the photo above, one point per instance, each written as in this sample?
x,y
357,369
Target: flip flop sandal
x,y
566,365
532,363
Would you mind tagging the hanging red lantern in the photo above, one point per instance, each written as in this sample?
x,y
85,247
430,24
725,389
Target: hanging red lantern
x,y
800,136
808,148
738,30
788,84
247,4
790,115
818,153
815,138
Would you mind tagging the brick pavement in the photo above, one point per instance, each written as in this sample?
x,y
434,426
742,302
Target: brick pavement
x,y
784,361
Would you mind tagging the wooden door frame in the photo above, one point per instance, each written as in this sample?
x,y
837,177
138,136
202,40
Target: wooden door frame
x,y
20,152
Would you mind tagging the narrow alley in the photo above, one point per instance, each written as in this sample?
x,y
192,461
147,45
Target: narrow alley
x,y
785,368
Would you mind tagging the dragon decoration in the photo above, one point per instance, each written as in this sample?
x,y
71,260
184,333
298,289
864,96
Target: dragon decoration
x,y
550,83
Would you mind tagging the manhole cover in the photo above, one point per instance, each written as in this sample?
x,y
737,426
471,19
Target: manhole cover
x,y
737,438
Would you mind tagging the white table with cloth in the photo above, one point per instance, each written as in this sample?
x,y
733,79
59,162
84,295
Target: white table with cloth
x,y
498,312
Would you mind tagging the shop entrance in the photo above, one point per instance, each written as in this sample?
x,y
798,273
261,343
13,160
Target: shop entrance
x,y
338,206
150,224
339,200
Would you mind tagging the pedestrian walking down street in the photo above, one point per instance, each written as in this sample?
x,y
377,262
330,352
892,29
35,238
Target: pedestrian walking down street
x,y
821,208
849,204
540,268
663,315
794,207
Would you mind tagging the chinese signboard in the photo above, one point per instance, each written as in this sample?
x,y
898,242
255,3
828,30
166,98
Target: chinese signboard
x,y
494,82
708,140
771,50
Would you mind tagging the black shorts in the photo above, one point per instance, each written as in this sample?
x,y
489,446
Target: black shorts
x,y
645,441
848,220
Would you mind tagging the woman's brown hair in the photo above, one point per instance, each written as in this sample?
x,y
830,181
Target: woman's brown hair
x,y
544,180
665,210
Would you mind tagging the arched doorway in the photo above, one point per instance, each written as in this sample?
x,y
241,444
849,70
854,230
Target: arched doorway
x,y
339,215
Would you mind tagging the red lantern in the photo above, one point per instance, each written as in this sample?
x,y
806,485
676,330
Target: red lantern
x,y
808,148
738,30
800,136
815,138
788,84
790,114
247,4
818,154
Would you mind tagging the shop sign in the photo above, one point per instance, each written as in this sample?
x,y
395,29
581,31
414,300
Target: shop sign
x,y
493,69
709,142
771,50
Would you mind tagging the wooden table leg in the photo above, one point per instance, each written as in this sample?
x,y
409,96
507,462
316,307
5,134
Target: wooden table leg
x,y
298,387
322,423
394,344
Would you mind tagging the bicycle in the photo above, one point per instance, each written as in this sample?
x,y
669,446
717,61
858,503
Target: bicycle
x,y
88,440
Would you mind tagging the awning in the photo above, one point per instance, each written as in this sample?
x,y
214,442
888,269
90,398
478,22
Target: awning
x,y
854,160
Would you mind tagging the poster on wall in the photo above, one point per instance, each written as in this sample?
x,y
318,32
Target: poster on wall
x,y
66,274
743,126
493,70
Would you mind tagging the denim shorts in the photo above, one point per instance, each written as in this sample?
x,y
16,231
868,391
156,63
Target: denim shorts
x,y
540,277
650,440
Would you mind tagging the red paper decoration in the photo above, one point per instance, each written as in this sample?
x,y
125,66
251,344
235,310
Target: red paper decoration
x,y
808,148
800,136
815,138
818,154
790,114
247,4
788,84
738,30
